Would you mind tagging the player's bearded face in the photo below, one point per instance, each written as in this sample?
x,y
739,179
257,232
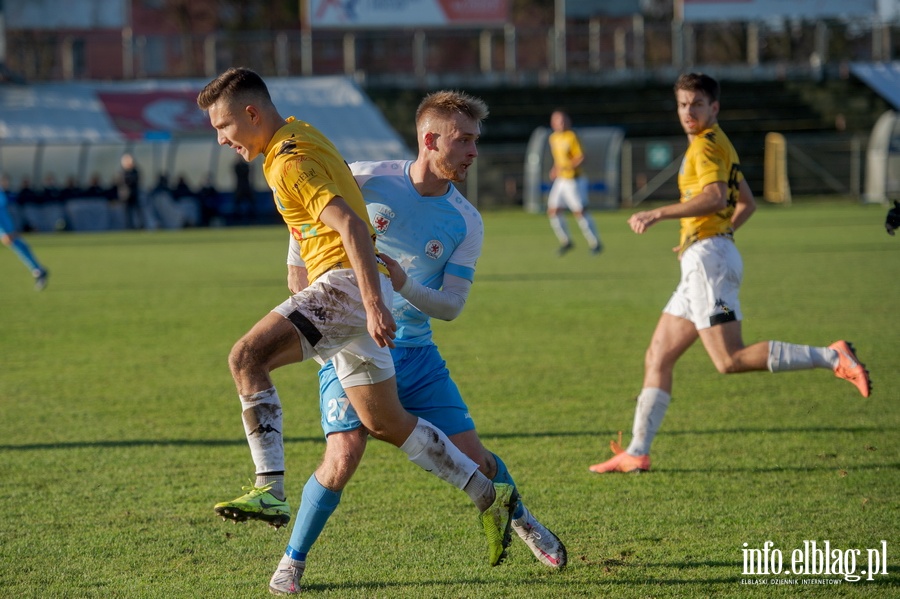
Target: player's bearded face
x,y
450,170
457,149
695,111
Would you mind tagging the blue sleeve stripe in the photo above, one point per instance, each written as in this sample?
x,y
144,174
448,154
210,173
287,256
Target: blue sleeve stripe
x,y
463,272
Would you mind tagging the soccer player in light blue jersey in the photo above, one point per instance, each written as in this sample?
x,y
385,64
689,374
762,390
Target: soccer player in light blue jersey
x,y
11,240
430,237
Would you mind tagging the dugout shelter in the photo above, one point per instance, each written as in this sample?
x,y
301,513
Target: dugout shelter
x,y
602,147
883,151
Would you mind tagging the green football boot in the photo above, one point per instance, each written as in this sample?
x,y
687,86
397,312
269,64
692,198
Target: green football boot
x,y
497,523
256,504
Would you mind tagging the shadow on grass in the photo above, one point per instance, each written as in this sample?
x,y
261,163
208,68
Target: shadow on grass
x,y
517,435
564,583
717,431
149,443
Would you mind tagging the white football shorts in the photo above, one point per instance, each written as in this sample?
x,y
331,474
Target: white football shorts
x,y
711,275
331,322
569,193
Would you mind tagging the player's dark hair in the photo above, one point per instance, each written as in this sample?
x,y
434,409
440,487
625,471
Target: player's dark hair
x,y
698,82
238,82
446,103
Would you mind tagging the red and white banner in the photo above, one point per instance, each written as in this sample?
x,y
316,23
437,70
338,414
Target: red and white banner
x,y
760,10
356,14
139,113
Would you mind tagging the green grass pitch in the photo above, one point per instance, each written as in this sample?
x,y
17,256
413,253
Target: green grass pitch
x,y
120,426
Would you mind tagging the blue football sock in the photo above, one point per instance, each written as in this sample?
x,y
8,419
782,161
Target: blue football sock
x,y
503,476
24,252
316,505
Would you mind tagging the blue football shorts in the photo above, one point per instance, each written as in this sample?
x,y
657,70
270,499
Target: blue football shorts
x,y
423,383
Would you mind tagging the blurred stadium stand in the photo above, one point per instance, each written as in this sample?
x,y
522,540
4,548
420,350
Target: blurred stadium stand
x,y
80,130
814,80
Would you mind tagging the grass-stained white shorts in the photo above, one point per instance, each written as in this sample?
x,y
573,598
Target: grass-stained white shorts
x,y
331,320
711,275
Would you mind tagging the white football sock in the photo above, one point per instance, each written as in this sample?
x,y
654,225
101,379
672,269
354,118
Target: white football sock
x,y
560,229
481,491
589,229
263,427
652,404
788,356
277,482
430,449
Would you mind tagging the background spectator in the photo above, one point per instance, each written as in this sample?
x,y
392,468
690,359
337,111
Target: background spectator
x,y
129,191
244,200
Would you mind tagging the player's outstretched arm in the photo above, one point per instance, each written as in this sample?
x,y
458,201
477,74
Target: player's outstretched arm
x,y
445,303
713,198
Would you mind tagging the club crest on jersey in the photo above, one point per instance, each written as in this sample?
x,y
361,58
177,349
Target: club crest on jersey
x,y
434,249
382,220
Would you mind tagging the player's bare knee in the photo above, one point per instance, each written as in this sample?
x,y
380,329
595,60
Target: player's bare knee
x,y
726,365
655,359
344,453
241,356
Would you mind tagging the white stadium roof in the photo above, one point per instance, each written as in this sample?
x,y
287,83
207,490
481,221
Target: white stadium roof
x,y
80,130
882,77
158,110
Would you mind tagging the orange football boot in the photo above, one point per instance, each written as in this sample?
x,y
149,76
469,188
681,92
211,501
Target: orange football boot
x,y
622,461
850,368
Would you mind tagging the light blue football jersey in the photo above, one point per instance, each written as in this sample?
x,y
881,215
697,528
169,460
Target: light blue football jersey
x,y
428,236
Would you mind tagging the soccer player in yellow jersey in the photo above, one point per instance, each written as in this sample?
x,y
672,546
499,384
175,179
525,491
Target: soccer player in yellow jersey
x,y
341,314
715,201
570,185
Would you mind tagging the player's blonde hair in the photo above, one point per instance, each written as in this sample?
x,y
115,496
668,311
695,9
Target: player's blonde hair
x,y
446,103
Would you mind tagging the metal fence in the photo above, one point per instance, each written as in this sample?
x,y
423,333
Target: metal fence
x,y
821,164
420,56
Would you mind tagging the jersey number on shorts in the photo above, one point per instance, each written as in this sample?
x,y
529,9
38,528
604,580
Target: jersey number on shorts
x,y
337,409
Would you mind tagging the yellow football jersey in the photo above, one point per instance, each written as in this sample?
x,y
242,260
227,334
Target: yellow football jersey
x,y
709,158
305,172
565,147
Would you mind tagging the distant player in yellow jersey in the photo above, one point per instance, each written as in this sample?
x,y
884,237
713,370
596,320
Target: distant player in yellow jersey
x,y
715,201
570,185
341,313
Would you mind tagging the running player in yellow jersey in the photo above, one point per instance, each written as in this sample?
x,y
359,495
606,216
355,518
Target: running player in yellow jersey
x,y
715,201
342,314
570,185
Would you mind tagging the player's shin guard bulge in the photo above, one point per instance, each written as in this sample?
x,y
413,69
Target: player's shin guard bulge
x,y
263,425
497,522
431,450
